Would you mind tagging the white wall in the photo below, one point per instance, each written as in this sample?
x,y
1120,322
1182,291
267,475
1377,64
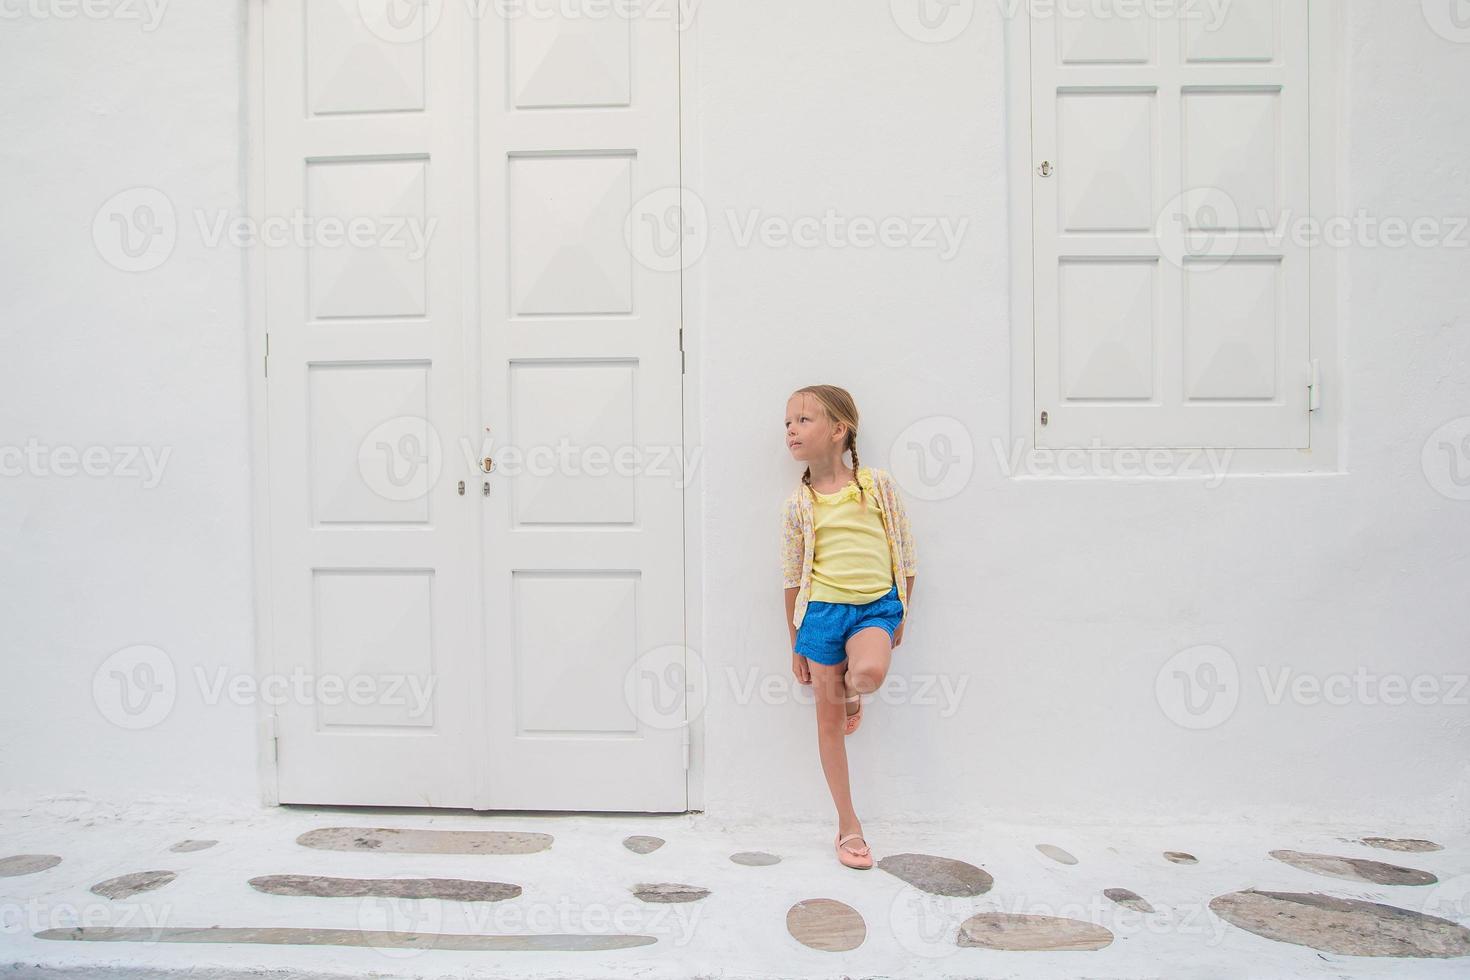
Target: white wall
x,y
1058,602
1054,603
98,357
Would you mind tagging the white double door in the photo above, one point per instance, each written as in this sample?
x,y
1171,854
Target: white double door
x,y
455,284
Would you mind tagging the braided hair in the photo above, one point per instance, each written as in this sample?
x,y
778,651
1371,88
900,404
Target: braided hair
x,y
840,407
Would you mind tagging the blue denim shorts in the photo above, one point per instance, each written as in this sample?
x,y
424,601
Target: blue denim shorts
x,y
826,626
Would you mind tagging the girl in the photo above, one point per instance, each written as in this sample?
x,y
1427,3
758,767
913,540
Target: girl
x,y
849,559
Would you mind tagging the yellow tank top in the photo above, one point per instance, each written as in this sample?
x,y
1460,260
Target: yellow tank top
x,y
850,561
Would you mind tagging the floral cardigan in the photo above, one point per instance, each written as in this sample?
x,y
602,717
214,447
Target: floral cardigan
x,y
798,537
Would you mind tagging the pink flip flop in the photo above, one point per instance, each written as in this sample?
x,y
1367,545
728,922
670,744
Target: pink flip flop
x,y
862,859
856,718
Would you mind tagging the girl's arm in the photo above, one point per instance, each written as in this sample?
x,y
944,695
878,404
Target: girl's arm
x,y
909,560
793,550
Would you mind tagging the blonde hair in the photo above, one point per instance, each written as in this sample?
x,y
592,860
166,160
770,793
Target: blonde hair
x,y
840,407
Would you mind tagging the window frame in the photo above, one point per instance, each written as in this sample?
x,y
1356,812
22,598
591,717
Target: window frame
x,y
1325,33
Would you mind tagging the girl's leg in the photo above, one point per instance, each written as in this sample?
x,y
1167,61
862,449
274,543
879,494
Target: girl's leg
x,y
869,653
828,689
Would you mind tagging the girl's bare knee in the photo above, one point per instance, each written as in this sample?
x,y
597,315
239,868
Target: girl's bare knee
x,y
864,680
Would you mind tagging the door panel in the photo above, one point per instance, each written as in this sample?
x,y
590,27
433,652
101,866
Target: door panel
x,y
583,571
372,574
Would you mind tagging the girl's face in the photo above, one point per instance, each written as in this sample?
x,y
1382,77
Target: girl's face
x,y
810,433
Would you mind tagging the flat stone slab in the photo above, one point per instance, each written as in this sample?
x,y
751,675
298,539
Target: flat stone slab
x,y
1354,869
1031,933
826,924
185,846
938,875
669,892
755,859
1347,926
452,889
1406,844
640,844
415,841
126,886
1180,857
559,942
1128,899
26,864
1056,854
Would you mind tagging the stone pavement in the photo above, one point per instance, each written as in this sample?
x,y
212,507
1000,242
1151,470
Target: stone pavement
x,y
345,892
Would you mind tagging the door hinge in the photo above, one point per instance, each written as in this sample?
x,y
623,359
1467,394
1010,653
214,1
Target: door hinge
x,y
267,355
274,735
681,350
1314,385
